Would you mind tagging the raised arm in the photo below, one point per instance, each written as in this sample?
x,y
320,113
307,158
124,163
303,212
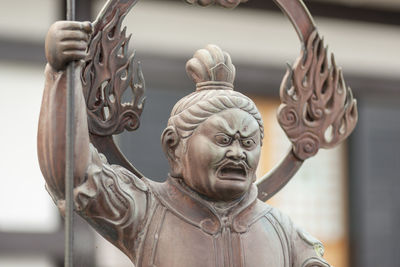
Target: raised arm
x,y
109,197
65,42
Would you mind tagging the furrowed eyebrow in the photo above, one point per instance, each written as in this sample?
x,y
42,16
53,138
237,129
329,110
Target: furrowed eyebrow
x,y
251,134
224,127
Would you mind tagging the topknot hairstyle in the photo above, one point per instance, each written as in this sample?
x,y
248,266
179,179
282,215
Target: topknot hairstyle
x,y
213,72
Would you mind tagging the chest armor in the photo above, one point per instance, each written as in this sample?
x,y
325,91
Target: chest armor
x,y
185,231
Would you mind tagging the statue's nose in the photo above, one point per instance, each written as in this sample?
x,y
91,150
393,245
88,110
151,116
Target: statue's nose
x,y
235,151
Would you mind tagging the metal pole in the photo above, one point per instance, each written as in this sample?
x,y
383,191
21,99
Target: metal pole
x,y
69,154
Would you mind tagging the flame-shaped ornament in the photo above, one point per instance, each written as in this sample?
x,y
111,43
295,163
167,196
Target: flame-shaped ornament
x,y
107,74
318,109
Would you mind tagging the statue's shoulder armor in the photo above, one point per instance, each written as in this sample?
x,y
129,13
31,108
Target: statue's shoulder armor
x,y
305,249
251,215
189,209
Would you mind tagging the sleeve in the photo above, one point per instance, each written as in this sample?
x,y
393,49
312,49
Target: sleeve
x,y
305,250
112,200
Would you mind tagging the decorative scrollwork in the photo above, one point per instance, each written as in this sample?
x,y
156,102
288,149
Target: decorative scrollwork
x,y
108,72
306,145
224,3
318,109
289,117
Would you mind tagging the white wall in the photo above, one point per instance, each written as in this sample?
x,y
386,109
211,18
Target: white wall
x,y
24,203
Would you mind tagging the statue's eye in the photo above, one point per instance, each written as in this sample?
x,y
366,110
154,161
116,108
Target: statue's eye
x,y
223,139
248,143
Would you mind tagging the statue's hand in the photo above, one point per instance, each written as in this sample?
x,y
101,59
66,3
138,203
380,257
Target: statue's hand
x,y
67,41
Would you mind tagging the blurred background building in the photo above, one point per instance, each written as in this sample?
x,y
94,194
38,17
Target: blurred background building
x,y
347,197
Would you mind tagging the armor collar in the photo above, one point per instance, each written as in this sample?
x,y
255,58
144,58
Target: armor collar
x,y
198,211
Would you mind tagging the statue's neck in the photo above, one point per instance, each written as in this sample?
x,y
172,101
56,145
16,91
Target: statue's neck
x,y
224,207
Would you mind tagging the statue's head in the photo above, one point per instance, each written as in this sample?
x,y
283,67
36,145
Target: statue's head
x,y
214,135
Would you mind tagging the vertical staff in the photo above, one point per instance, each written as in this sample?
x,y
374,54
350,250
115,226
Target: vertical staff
x,y
69,154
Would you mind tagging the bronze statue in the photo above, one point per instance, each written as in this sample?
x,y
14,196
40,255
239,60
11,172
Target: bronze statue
x,y
207,213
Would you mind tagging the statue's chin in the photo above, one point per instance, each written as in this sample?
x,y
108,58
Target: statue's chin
x,y
228,190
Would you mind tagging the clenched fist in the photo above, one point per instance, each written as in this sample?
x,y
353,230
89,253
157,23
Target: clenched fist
x,y
67,41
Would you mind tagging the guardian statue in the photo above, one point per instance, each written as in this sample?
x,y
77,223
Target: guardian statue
x,y
210,211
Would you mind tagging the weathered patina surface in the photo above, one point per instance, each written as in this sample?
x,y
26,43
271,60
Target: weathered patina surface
x,y
208,212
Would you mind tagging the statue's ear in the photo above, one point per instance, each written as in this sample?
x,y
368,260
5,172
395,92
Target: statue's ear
x,y
170,142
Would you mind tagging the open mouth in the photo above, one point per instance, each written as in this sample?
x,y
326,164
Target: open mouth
x,y
232,171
